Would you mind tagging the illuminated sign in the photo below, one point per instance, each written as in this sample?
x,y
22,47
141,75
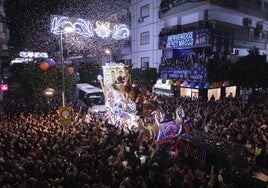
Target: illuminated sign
x,y
120,31
34,54
179,40
21,60
197,74
103,29
86,28
192,152
187,39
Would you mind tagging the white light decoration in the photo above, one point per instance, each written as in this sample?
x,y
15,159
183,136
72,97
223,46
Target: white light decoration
x,y
103,29
86,29
120,32
80,27
33,54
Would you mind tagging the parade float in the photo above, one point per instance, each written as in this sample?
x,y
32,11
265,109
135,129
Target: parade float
x,y
121,110
122,107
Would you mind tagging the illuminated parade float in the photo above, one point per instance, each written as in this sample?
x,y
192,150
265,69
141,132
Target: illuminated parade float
x,y
122,110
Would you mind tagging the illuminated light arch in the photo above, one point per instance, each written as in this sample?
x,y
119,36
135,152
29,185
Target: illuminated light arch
x,y
86,29
80,26
103,29
58,23
83,28
120,31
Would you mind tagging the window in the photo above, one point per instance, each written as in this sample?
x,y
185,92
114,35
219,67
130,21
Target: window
x,y
145,11
144,62
145,38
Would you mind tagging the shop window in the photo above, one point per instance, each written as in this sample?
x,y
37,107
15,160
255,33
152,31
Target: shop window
x,y
145,38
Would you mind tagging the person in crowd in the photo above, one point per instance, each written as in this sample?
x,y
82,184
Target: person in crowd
x,y
37,151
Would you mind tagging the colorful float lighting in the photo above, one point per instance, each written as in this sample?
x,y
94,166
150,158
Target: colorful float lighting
x,y
3,87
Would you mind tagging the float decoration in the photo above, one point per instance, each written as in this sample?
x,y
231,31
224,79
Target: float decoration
x,y
207,85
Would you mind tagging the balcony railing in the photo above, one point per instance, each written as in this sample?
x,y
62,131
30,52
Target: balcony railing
x,y
258,7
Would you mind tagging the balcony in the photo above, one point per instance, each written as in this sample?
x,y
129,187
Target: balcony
x,y
258,8
259,5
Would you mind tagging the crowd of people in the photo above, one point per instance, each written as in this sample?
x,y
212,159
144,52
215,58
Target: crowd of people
x,y
37,151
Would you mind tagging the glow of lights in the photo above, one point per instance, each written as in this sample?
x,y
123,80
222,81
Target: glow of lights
x,y
83,28
49,92
33,54
103,29
120,32
3,87
86,29
21,60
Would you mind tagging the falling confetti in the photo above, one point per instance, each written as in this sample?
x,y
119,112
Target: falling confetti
x,y
29,26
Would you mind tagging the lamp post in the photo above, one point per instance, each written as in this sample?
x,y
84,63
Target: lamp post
x,y
67,30
107,51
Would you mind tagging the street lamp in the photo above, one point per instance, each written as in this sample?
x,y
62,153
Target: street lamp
x,y
107,51
66,30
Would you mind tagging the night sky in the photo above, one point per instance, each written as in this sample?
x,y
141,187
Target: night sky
x,y
29,25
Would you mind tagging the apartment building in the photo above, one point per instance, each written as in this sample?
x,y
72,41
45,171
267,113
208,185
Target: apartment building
x,y
4,38
168,29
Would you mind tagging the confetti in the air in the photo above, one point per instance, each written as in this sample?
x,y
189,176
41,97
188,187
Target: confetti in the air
x,y
30,23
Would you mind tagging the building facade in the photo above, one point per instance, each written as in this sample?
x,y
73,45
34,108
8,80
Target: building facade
x,y
172,29
4,38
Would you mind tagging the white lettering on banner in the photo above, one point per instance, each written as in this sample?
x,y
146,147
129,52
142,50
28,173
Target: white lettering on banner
x,y
34,54
179,40
21,60
197,77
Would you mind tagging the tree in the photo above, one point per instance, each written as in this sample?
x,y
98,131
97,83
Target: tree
x,y
146,76
251,70
33,82
88,73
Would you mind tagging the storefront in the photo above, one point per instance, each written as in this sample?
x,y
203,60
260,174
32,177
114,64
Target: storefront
x,y
206,93
194,90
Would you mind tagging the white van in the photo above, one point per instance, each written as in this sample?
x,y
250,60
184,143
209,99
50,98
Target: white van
x,y
90,96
